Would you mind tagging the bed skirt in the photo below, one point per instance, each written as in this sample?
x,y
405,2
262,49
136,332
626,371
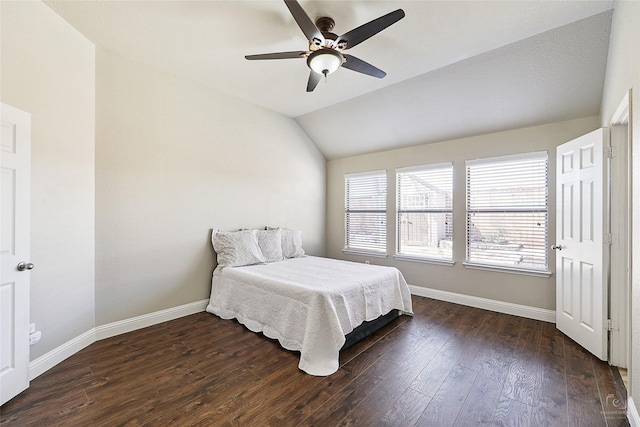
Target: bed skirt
x,y
368,328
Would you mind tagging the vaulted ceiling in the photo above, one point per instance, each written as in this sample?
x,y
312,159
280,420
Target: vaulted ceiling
x,y
454,68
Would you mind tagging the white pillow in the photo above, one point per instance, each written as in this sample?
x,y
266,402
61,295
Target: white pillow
x,y
270,243
292,244
237,248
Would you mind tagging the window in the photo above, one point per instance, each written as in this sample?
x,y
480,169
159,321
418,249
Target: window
x,y
366,212
424,208
507,212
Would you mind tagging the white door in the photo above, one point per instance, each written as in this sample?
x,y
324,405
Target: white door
x,y
15,146
581,282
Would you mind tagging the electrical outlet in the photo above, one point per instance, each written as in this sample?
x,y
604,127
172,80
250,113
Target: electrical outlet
x,y
35,337
32,328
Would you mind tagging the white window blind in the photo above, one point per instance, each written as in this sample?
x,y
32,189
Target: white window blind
x,y
366,212
507,211
424,209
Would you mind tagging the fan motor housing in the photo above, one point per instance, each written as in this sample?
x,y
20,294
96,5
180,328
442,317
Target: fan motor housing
x,y
325,24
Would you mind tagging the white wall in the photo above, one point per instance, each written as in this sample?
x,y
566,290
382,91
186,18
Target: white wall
x,y
48,71
623,73
173,161
518,289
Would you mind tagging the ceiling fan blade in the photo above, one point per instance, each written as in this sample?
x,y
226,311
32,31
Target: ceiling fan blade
x,y
314,79
305,23
357,64
371,28
278,55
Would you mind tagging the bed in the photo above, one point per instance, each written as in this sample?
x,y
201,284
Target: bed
x,y
313,305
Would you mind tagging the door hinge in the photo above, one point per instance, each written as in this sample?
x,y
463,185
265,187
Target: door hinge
x,y
610,238
611,326
610,152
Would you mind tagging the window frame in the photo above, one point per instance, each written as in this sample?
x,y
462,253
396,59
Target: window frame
x,y
381,252
506,209
400,210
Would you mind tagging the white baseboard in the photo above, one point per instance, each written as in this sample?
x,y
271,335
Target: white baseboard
x,y
486,304
632,413
128,325
47,361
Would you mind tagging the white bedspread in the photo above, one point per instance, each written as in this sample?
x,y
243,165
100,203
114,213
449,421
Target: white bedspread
x,y
308,304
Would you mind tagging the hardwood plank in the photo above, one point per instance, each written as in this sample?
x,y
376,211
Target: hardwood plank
x,y
511,413
404,347
424,323
47,412
369,417
482,341
113,405
584,405
261,410
339,406
406,410
549,411
529,338
484,395
383,397
197,397
444,407
57,382
211,406
300,407
255,356
507,336
522,378
550,403
448,356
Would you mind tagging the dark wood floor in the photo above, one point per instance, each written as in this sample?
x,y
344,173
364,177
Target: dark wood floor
x,y
448,365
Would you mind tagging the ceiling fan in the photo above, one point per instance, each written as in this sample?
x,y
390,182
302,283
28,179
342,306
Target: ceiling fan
x,y
325,52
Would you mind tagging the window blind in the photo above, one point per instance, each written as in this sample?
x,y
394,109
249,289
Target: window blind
x,y
424,211
366,212
507,211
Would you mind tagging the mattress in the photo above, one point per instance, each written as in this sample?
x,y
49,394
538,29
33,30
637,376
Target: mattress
x,y
308,304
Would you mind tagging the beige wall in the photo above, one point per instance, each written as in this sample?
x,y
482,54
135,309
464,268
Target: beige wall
x,y
48,71
131,168
174,160
526,290
623,73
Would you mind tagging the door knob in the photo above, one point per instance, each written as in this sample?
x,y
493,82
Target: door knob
x,y
556,247
25,266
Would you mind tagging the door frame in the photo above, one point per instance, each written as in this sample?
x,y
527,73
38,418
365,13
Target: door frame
x,y
619,228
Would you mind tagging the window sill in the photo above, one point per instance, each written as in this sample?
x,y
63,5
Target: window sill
x,y
512,270
365,253
424,260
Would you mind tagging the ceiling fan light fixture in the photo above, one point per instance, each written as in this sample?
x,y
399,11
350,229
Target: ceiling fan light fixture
x,y
325,61
324,55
